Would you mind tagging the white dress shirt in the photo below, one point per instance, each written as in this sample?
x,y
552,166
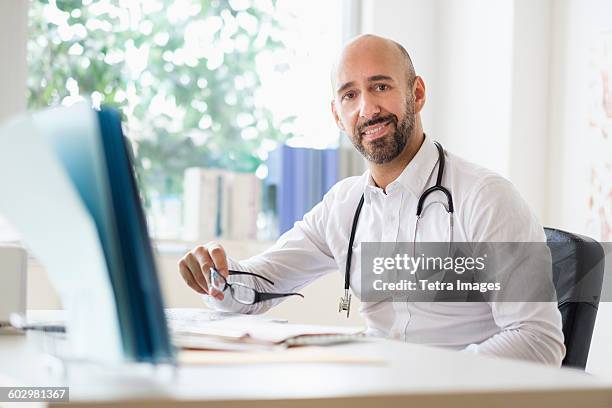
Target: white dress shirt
x,y
487,209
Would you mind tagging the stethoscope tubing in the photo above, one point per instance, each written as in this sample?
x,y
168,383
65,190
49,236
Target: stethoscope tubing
x,y
437,187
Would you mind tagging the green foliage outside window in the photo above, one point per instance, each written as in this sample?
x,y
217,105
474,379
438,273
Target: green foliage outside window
x,y
182,73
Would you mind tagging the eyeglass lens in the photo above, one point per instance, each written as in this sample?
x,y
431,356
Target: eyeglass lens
x,y
243,294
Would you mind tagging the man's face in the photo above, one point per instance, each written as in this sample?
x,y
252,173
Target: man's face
x,y
373,103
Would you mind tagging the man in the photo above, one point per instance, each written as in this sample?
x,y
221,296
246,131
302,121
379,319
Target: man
x,y
377,103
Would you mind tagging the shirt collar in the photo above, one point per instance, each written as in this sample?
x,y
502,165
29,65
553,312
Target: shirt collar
x,y
415,175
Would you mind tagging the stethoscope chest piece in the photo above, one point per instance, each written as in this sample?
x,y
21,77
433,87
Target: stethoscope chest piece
x,y
345,303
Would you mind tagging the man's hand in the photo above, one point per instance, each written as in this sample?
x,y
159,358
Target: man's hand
x,y
195,266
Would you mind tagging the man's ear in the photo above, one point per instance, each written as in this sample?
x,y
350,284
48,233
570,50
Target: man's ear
x,y
418,93
336,117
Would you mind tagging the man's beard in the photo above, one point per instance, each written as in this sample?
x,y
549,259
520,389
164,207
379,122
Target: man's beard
x,y
388,147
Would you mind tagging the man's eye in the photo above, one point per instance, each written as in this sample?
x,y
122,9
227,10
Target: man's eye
x,y
349,95
382,87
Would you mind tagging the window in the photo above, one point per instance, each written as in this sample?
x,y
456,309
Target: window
x,y
210,92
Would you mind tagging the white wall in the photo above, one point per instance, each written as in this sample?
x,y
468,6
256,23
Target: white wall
x,y
474,76
13,71
13,35
530,102
573,147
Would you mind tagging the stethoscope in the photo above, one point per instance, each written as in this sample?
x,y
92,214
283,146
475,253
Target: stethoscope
x,y
345,301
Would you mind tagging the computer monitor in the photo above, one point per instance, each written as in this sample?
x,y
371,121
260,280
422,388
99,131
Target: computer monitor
x,y
135,282
69,189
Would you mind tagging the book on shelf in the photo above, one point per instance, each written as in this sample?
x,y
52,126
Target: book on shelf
x,y
220,204
301,176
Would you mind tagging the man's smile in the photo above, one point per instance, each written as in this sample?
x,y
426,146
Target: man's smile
x,y
375,131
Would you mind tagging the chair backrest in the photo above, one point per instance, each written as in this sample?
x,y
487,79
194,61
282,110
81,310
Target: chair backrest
x,y
578,267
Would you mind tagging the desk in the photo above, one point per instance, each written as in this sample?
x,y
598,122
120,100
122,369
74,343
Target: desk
x,y
409,374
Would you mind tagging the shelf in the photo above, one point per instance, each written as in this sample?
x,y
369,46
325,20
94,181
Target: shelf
x,y
173,247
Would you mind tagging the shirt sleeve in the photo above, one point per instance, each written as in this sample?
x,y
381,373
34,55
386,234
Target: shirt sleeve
x,y
298,257
529,330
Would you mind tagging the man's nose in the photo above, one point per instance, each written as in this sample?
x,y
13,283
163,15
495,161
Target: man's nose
x,y
369,107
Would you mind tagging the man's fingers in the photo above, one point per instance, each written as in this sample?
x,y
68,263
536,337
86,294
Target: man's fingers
x,y
187,276
196,271
217,253
205,262
195,266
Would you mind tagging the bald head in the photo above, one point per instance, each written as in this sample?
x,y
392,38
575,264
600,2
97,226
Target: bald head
x,y
368,44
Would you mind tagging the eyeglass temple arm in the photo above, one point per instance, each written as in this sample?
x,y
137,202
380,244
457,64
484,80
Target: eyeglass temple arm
x,y
231,272
261,296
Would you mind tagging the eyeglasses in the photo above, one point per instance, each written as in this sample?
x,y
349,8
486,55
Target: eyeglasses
x,y
241,292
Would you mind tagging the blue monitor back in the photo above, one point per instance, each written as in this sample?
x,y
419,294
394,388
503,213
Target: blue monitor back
x,y
136,284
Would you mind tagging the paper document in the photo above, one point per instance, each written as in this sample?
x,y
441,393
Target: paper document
x,y
192,318
189,329
205,329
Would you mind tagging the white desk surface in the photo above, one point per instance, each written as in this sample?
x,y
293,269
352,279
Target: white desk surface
x,y
407,373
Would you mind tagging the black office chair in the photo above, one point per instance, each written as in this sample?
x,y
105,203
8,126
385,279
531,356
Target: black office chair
x,y
578,268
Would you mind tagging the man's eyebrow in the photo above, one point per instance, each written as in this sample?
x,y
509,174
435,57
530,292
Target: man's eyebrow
x,y
379,78
345,86
373,78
